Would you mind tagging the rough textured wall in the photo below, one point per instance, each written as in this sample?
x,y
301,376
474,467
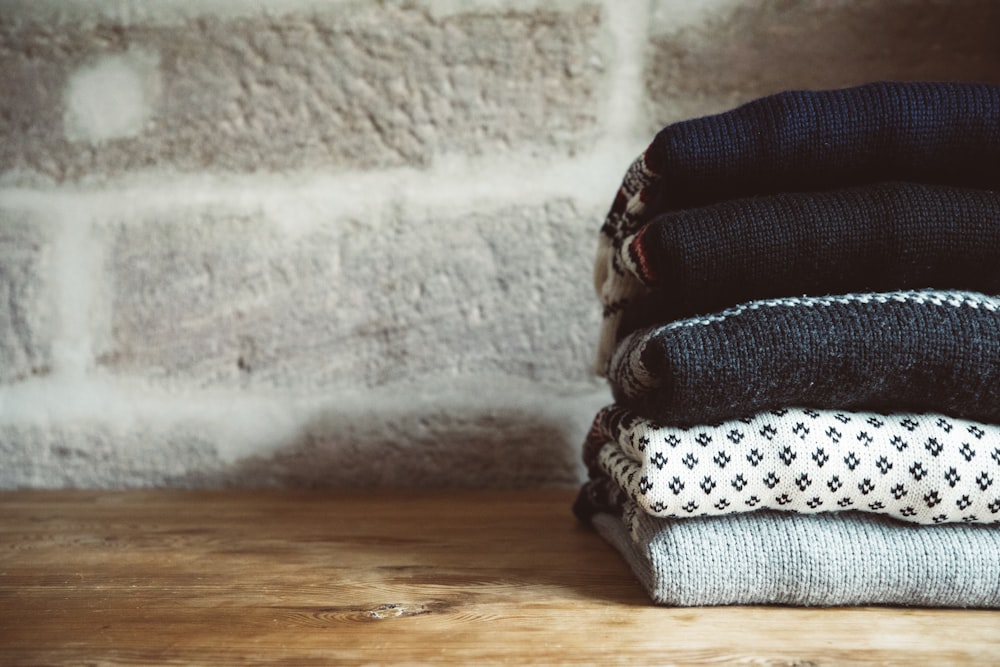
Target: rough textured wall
x,y
349,243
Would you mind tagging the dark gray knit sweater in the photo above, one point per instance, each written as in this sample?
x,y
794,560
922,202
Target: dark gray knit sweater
x,y
911,350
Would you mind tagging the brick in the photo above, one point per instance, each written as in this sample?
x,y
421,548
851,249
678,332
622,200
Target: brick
x,y
94,454
735,51
362,85
26,313
215,298
507,291
208,299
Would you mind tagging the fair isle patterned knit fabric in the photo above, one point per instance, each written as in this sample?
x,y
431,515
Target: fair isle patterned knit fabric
x,y
886,236
837,558
946,133
920,468
913,351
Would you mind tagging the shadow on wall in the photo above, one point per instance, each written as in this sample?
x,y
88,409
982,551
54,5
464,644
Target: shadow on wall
x,y
758,48
504,448
428,444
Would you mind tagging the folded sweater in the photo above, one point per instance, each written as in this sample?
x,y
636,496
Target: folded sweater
x,y
843,558
911,351
946,133
920,468
880,237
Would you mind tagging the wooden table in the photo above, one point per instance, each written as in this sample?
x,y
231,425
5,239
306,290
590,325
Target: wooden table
x,y
172,577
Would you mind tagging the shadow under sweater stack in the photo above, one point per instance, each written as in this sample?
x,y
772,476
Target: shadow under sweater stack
x,y
802,336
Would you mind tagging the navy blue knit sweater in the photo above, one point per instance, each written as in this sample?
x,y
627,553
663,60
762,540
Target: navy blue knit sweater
x,y
882,237
945,133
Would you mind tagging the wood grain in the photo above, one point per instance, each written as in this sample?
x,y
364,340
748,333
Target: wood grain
x,y
171,577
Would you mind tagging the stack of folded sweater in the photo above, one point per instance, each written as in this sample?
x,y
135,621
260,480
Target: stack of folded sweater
x,y
802,336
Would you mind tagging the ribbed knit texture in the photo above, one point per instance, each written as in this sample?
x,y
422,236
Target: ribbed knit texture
x,y
920,468
808,559
945,133
897,351
830,250
800,140
888,236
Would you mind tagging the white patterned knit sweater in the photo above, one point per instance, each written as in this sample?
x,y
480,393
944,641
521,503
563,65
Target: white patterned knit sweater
x,y
921,468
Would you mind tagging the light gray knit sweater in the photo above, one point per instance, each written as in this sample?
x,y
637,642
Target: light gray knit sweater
x,y
831,559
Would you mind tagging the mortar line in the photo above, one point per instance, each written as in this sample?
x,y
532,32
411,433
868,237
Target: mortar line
x,y
452,182
628,25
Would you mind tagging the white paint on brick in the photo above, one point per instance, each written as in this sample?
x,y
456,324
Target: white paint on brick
x,y
111,98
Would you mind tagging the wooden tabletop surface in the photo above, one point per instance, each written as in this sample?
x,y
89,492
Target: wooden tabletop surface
x,y
173,577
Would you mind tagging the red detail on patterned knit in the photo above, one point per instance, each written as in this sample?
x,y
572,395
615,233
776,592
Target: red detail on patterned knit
x,y
637,252
651,160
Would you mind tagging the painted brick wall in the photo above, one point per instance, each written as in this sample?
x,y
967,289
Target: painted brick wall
x,y
349,243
